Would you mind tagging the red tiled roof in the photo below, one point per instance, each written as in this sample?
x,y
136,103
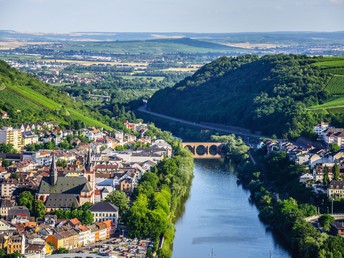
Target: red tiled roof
x,y
75,221
83,228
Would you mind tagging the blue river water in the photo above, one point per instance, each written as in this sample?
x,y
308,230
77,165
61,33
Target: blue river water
x,y
218,216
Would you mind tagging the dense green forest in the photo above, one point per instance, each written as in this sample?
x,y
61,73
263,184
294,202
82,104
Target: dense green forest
x,y
271,94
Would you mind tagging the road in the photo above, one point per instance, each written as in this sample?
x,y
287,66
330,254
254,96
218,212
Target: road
x,y
219,128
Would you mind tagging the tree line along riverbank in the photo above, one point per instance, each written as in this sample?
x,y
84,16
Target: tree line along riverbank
x,y
161,193
283,203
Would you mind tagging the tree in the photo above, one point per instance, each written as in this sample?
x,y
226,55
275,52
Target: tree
x,y
325,221
87,218
86,206
334,148
102,148
119,199
138,221
336,171
39,209
6,163
64,145
14,176
60,250
61,163
26,199
326,179
158,221
7,148
82,214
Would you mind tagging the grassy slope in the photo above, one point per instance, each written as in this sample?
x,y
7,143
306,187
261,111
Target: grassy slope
x,y
20,92
330,62
40,100
35,97
334,103
335,87
17,101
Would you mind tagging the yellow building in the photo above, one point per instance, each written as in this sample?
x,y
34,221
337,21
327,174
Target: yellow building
x,y
16,243
12,136
336,189
64,239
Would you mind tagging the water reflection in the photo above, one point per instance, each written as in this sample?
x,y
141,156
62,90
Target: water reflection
x,y
218,215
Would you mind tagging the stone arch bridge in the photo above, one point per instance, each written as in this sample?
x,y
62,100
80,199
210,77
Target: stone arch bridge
x,y
205,150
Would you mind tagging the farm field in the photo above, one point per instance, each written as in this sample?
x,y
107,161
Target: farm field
x,y
151,46
180,69
87,120
89,63
36,97
19,102
336,85
331,62
336,71
335,103
5,45
132,77
33,98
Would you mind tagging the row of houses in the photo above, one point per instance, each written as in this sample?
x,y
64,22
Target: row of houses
x,y
330,135
44,236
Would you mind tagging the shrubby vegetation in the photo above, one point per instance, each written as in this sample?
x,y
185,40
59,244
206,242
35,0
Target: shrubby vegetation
x,y
4,255
82,213
119,199
158,197
7,148
269,94
36,207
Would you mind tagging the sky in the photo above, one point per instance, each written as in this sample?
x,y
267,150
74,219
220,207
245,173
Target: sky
x,y
63,16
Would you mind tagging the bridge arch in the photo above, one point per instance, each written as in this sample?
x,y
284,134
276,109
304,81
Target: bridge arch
x,y
205,150
201,150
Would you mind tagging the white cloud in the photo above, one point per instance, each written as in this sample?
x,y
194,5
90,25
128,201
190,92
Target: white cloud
x,y
337,1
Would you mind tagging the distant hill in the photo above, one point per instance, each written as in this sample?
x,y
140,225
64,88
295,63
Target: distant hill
x,y
272,94
283,37
195,43
27,99
153,46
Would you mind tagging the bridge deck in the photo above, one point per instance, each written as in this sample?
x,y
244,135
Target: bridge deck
x,y
205,150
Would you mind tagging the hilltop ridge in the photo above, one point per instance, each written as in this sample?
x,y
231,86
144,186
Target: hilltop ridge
x,y
271,94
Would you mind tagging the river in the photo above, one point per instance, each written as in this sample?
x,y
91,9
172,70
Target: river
x,y
218,216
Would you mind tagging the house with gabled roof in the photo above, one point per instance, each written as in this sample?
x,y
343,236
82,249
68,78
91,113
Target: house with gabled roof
x,y
104,211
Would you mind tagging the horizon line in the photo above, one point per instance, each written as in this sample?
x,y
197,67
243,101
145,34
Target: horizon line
x,y
186,32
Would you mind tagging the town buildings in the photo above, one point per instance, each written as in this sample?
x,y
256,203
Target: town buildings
x,y
103,211
9,135
91,171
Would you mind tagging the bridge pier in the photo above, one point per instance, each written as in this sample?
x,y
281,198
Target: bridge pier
x,y
205,150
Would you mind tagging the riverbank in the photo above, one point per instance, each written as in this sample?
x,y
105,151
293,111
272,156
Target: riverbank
x,y
159,196
284,203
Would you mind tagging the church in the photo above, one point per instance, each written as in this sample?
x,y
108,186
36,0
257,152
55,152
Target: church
x,y
62,192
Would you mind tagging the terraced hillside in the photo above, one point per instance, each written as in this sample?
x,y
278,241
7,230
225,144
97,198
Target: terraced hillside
x,y
274,94
334,66
27,99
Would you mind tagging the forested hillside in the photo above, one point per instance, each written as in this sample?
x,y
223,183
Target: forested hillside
x,y
270,94
28,100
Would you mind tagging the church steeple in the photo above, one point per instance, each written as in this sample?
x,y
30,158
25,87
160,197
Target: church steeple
x,y
88,164
53,171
